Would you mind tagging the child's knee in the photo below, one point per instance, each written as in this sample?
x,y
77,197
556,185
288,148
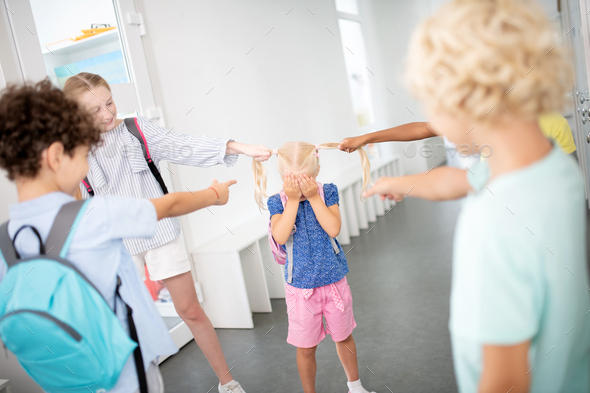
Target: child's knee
x,y
191,311
346,340
306,352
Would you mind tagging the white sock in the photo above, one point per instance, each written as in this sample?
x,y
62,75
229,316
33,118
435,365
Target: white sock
x,y
233,381
356,387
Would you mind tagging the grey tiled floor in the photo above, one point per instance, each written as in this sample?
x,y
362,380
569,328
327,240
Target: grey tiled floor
x,y
400,276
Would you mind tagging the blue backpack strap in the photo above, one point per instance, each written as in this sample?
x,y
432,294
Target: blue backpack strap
x,y
63,229
7,251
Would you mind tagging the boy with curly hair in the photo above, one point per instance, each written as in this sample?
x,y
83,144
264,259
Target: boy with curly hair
x,y
485,71
44,143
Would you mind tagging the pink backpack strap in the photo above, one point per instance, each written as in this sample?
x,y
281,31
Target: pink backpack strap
x,y
135,130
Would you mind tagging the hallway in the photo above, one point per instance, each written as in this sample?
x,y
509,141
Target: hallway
x,y
400,276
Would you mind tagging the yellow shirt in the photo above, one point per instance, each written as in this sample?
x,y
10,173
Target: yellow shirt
x,y
555,126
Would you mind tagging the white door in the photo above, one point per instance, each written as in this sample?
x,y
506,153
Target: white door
x,y
577,33
43,32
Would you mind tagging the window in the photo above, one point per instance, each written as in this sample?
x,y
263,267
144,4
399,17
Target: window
x,y
355,60
77,36
347,6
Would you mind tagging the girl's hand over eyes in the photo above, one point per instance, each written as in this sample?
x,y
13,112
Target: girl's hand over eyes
x,y
291,186
309,187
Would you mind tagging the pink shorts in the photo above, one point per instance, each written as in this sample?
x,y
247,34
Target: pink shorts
x,y
306,328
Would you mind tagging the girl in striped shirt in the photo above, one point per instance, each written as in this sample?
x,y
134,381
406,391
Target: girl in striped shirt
x,y
118,167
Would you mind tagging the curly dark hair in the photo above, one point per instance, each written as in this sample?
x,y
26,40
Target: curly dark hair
x,y
32,117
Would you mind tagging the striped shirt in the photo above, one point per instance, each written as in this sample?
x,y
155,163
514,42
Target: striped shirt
x,y
117,167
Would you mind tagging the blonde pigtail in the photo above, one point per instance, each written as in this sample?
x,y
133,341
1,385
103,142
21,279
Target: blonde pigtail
x,y
259,183
365,163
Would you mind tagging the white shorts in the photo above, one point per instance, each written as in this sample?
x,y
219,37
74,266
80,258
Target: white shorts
x,y
163,262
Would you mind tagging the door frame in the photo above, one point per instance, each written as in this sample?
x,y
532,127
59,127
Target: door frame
x,y
581,130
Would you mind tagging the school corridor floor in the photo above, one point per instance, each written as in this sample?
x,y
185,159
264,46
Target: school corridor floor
x,y
400,276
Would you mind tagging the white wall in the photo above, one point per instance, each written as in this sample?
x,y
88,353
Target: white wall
x,y
550,6
291,86
388,27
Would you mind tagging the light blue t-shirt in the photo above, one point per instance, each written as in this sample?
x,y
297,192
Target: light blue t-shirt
x,y
520,274
97,251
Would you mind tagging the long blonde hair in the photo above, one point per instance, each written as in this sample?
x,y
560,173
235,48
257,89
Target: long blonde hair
x,y
83,82
301,156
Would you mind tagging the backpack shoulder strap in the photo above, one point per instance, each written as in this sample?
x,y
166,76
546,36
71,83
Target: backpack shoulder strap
x,y
7,251
137,355
290,261
321,191
133,127
63,229
88,187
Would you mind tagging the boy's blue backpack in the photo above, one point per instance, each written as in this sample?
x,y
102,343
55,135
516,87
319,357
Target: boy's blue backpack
x,y
56,322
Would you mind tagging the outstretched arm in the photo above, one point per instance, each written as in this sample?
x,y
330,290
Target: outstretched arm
x,y
405,132
439,184
180,203
258,152
195,150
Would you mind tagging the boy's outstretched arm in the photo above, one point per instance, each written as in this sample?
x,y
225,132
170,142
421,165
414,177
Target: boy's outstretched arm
x,y
505,369
405,132
180,203
439,184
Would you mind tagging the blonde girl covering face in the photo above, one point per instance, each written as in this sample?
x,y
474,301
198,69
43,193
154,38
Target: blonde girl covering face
x,y
316,265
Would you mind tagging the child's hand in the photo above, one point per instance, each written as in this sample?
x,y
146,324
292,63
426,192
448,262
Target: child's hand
x,y
291,186
258,152
309,187
223,190
386,187
351,144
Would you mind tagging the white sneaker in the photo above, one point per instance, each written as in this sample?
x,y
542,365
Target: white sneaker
x,y
233,387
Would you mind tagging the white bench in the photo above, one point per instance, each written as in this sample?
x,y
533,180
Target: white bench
x,y
5,386
237,272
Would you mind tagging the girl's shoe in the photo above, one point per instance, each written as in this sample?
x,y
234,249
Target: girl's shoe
x,y
233,387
